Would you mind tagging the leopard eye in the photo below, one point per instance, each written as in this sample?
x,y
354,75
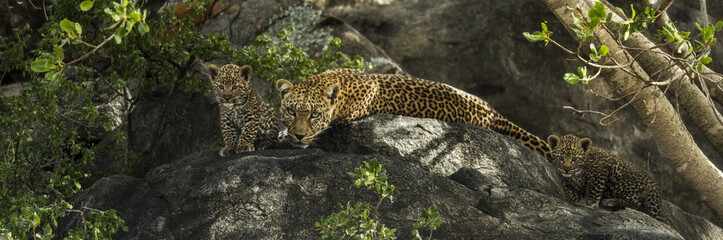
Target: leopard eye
x,y
315,115
291,112
561,158
575,159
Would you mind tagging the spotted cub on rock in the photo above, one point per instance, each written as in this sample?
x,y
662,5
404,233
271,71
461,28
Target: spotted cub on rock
x,y
248,123
595,177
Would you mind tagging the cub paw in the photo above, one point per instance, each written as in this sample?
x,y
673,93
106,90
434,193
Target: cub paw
x,y
613,203
590,203
283,135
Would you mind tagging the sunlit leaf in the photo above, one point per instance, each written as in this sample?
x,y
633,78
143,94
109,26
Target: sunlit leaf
x,y
534,37
69,27
604,50
40,65
705,60
571,78
86,5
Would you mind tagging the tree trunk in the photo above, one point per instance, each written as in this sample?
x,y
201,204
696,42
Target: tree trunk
x,y
675,144
699,107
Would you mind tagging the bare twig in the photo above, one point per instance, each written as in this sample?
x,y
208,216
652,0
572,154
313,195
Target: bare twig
x,y
92,51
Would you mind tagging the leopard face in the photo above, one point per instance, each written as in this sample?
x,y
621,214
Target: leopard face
x,y
231,84
304,112
568,153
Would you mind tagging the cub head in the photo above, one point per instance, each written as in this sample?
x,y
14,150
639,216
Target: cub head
x,y
231,84
307,108
568,153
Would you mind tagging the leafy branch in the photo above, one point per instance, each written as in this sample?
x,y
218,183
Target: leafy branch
x,y
585,25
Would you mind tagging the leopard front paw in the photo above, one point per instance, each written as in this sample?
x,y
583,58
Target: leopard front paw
x,y
225,152
245,148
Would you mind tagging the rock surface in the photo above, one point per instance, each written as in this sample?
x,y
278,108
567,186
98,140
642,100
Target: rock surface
x,y
479,180
478,47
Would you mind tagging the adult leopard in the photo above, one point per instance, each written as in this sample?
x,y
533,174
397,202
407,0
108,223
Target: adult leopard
x,y
344,95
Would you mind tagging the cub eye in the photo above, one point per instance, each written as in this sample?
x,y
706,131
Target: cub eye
x,y
315,115
561,158
234,88
290,112
575,159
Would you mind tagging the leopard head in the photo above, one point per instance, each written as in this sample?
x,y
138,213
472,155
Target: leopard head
x,y
307,108
568,153
231,84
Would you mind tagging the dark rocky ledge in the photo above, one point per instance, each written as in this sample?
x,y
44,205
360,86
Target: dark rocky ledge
x,y
487,186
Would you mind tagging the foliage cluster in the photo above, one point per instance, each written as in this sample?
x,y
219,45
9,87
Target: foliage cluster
x,y
360,221
274,58
585,24
46,139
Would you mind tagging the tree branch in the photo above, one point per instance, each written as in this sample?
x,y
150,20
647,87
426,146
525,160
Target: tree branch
x,y
675,144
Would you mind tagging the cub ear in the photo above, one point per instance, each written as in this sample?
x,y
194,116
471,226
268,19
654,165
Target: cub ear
x,y
585,143
212,71
284,87
246,72
553,141
331,93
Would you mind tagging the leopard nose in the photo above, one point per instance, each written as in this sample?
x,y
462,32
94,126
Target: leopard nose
x,y
299,136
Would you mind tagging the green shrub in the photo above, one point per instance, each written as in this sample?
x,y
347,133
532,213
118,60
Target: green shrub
x,y
360,220
272,61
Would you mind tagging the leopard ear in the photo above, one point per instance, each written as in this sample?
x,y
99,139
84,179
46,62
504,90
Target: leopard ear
x,y
212,71
284,87
553,141
246,72
585,143
331,93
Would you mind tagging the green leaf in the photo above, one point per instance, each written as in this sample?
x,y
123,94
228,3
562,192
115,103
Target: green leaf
x,y
597,11
59,53
135,16
534,37
705,60
41,65
582,71
620,10
604,50
36,220
78,28
415,233
571,78
593,49
143,28
718,26
118,35
54,78
626,32
680,48
594,22
69,27
86,5
594,57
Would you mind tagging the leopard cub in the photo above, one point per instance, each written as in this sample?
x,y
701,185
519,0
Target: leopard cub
x,y
248,123
595,177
